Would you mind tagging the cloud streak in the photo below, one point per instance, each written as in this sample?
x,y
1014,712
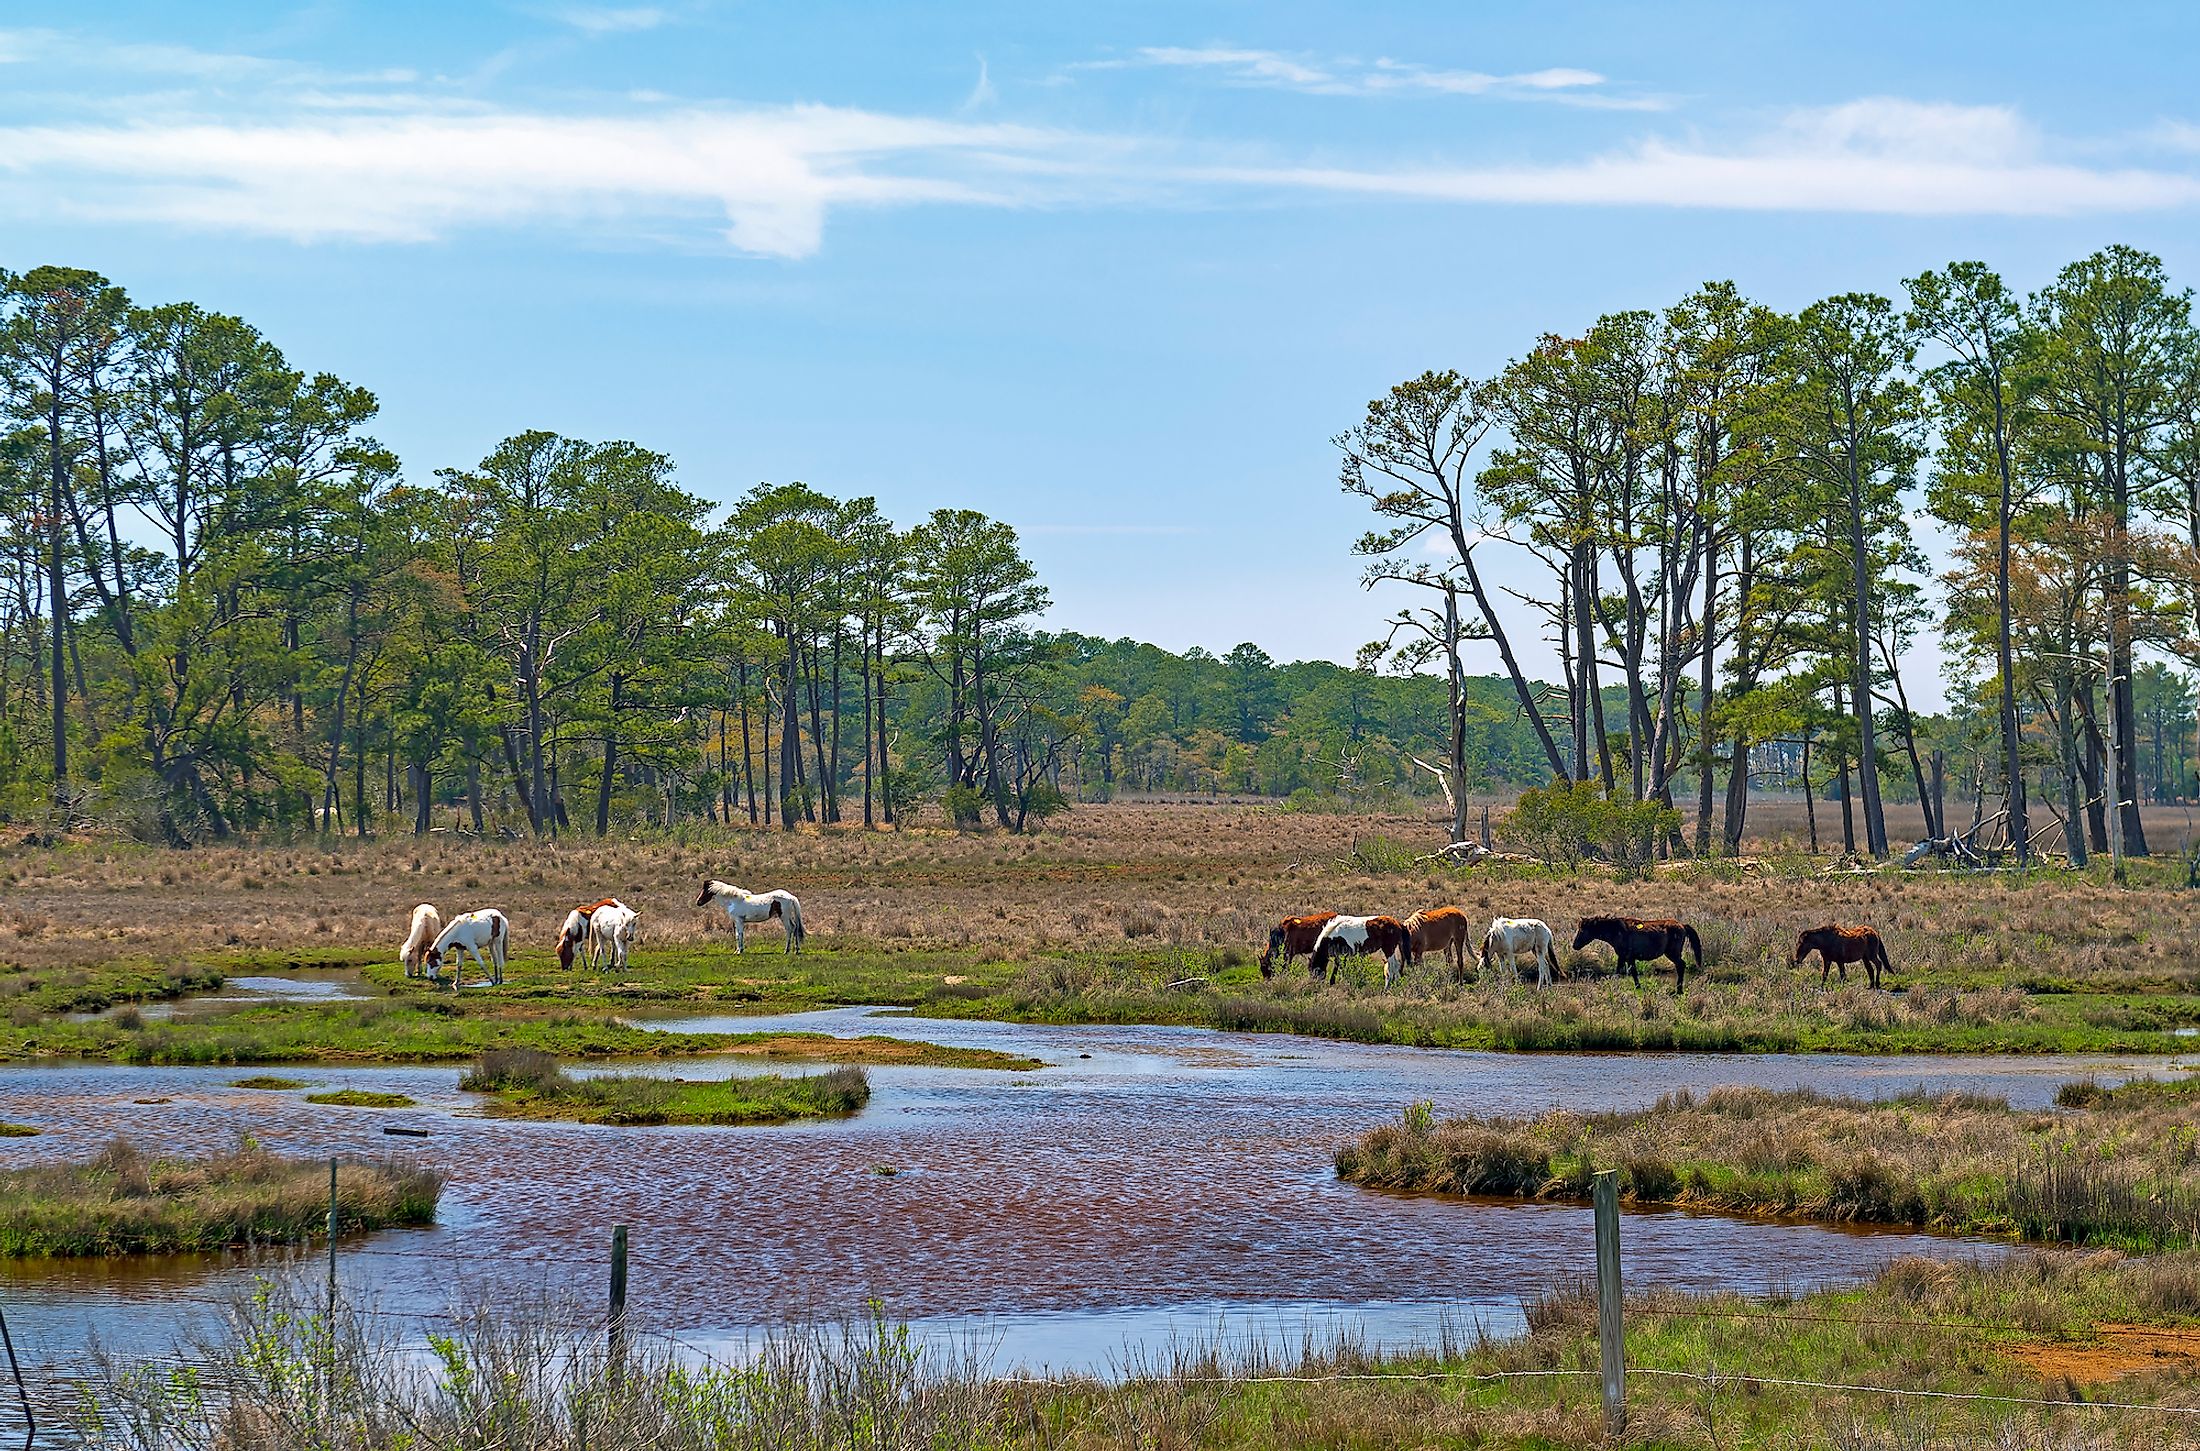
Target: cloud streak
x,y
406,169
1275,70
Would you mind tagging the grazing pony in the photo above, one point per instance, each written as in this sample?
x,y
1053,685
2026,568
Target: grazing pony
x,y
1639,940
471,933
427,925
1440,929
1840,946
1341,935
743,908
574,935
1293,937
610,932
1512,938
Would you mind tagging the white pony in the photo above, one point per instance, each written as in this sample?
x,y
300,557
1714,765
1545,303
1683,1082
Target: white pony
x,y
470,932
611,932
743,908
427,925
1512,938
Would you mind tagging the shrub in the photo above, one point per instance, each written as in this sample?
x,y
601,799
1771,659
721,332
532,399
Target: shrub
x,y
1572,823
965,806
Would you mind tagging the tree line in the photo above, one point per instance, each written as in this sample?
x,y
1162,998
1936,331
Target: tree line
x,y
228,609
1721,499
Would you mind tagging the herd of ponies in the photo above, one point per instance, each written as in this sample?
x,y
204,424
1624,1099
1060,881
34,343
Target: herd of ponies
x,y
1326,938
599,934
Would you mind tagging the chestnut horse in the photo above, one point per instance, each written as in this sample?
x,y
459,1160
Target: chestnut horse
x,y
1293,937
1341,935
1639,940
1440,929
1840,946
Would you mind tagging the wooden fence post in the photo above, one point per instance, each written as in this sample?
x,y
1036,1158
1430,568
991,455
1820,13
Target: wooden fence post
x,y
1611,1343
617,1326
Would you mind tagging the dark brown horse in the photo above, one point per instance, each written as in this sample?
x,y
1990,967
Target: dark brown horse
x,y
1293,937
1639,940
1840,946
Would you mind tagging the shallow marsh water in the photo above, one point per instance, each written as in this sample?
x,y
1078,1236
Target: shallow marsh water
x,y
1149,1184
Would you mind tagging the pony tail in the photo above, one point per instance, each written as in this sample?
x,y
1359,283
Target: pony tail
x,y
794,920
1695,944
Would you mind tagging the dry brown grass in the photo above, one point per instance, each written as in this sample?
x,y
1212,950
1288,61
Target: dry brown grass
x,y
1147,876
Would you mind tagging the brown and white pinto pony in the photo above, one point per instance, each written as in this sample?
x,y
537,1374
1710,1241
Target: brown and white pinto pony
x,y
1293,937
1840,946
1442,930
1362,935
743,907
1643,939
575,937
427,925
472,933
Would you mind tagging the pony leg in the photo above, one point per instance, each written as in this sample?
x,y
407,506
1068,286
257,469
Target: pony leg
x,y
740,933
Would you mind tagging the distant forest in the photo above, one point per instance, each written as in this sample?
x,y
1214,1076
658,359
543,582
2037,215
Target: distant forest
x,y
230,611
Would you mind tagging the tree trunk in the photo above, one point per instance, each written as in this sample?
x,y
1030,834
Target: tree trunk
x,y
58,595
748,762
1860,685
1848,811
885,768
2012,763
863,682
790,730
1810,799
821,802
1522,691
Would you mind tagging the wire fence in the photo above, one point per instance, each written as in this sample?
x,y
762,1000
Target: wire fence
x,y
22,1417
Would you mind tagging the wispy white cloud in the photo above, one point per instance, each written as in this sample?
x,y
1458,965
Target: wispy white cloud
x,y
392,159
1344,76
981,92
771,175
1877,155
611,19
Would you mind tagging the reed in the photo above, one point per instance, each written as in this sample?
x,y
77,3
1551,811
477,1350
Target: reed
x,y
538,1375
128,1202
2121,1170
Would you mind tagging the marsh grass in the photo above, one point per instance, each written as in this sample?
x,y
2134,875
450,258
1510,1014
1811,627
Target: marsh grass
x,y
268,1081
360,1098
1119,913
2120,1170
538,1376
530,1084
128,1202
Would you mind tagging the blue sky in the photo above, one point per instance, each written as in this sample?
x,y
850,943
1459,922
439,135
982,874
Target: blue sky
x,y
1115,273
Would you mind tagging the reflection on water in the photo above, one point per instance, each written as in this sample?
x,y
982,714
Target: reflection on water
x,y
1148,1183
327,985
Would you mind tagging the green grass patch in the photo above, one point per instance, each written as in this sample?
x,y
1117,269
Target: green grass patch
x,y
125,1202
532,1086
2116,1167
360,1098
19,1131
268,1080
